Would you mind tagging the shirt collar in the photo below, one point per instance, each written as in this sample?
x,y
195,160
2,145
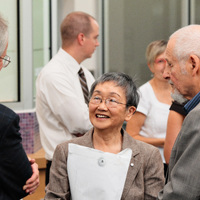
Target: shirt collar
x,y
67,58
192,103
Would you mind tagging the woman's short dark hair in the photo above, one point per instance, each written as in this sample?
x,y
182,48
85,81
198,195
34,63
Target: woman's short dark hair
x,y
122,80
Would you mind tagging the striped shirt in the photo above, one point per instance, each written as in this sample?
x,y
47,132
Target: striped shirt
x,y
192,103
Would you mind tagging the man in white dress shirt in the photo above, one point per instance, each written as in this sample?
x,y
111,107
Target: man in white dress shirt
x,y
60,105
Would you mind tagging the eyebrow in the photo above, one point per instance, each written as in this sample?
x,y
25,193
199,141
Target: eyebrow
x,y
167,60
112,93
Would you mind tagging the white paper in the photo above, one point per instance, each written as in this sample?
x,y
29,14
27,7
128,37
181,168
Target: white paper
x,y
96,175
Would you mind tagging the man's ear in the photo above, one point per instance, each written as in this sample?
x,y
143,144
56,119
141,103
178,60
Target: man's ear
x,y
81,38
131,110
195,63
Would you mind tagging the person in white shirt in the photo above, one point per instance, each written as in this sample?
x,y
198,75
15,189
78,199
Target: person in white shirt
x,y
60,105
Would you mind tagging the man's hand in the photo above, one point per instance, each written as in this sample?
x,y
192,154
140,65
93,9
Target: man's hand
x,y
33,182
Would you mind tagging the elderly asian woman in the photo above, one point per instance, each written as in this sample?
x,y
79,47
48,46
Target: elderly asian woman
x,y
113,100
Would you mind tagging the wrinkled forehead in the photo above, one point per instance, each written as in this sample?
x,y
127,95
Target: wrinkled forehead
x,y
169,52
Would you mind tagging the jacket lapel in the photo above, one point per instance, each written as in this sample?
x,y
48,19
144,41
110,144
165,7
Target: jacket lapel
x,y
135,164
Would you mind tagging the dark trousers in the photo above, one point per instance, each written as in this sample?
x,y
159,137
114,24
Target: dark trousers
x,y
48,166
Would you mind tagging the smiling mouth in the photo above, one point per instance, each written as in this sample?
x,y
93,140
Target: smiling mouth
x,y
101,116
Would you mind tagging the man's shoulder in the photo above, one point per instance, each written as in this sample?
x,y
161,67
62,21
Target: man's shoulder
x,y
190,128
58,67
51,66
197,108
52,71
7,116
194,114
6,112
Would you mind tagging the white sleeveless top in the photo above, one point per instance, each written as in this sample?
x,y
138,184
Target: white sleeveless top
x,y
156,113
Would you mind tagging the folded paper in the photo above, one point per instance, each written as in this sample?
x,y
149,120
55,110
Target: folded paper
x,y
95,174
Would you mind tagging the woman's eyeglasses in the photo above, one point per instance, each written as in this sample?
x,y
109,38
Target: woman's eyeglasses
x,y
111,103
160,61
6,60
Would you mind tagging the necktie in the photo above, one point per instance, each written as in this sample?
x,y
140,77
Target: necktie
x,y
84,85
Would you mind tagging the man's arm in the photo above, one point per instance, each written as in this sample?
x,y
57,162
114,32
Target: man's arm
x,y
15,167
184,166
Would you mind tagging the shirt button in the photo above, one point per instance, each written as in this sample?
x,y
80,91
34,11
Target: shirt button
x,y
101,162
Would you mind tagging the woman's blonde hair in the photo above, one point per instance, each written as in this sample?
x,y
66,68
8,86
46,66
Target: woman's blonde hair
x,y
154,49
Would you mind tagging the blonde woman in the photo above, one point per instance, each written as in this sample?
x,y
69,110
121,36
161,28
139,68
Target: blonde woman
x,y
149,123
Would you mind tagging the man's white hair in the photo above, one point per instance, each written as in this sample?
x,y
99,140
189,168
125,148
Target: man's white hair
x,y
187,42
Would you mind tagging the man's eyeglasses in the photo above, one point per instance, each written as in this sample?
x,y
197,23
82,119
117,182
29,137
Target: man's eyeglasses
x,y
110,103
6,61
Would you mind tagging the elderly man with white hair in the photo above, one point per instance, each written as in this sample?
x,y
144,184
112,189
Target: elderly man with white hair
x,y
183,70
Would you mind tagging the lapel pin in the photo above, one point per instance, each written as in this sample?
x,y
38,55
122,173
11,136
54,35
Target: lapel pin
x,y
132,164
